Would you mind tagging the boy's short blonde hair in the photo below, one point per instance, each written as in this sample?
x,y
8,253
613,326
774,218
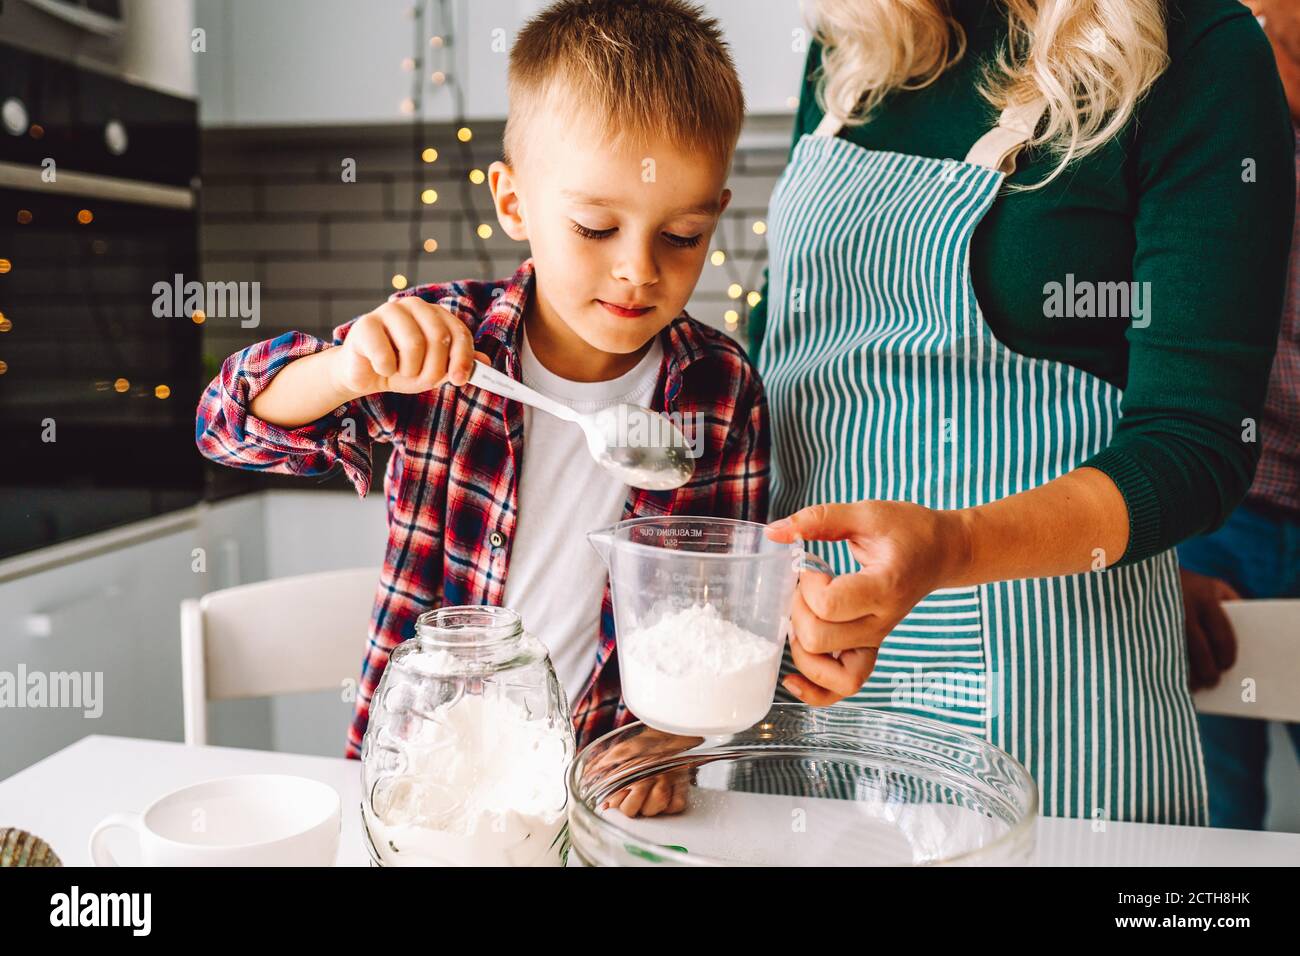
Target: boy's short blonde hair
x,y
644,68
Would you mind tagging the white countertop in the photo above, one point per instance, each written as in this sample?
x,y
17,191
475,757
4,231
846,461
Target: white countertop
x,y
62,797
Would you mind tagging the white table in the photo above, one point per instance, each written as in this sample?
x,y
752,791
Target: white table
x,y
62,797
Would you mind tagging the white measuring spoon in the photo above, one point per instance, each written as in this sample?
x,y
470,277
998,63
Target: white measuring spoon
x,y
641,447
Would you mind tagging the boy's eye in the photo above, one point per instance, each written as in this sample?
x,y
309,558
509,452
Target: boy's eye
x,y
684,242
586,233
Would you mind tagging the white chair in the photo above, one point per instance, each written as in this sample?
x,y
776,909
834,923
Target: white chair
x,y
1268,656
285,636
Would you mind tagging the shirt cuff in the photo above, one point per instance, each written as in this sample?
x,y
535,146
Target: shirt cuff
x,y
310,449
1141,497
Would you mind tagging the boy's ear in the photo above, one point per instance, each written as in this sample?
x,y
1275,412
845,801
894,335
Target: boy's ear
x,y
724,202
505,196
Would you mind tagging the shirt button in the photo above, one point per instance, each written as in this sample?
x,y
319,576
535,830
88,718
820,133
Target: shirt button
x,y
496,539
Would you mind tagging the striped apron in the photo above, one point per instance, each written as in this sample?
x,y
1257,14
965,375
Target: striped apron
x,y
885,382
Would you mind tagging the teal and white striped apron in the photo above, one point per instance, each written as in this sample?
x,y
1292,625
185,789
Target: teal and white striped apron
x,y
885,382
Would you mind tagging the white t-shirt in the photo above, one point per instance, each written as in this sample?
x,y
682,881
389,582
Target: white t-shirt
x,y
556,579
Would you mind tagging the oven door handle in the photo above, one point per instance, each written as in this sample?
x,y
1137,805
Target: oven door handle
x,y
94,186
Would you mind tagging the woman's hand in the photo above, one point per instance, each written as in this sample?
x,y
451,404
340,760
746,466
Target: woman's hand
x,y
905,552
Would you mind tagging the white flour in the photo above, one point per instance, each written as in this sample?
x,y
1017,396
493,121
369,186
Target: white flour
x,y
483,786
694,672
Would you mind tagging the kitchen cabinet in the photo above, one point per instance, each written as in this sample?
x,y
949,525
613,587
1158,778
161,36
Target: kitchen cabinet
x,y
338,62
115,611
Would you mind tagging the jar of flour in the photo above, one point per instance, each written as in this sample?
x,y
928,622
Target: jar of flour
x,y
468,742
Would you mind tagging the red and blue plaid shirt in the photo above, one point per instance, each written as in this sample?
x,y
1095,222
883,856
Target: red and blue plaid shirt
x,y
1277,479
452,482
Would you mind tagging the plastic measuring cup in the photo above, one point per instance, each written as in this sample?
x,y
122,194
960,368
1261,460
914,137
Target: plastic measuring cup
x,y
701,616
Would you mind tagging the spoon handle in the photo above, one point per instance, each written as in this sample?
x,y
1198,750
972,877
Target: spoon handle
x,y
498,383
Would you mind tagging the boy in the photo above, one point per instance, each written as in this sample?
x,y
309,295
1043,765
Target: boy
x,y
623,120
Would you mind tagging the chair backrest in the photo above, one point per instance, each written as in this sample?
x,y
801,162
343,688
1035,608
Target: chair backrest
x,y
1264,683
284,636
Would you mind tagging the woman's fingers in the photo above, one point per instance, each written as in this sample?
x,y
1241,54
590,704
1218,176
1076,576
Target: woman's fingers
x,y
821,636
848,597
827,679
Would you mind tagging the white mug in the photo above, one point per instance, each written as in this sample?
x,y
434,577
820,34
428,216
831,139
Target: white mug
x,y
251,820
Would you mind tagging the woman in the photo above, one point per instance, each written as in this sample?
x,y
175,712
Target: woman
x,y
1027,267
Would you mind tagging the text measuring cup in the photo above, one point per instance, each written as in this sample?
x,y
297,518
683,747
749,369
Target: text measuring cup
x,y
701,615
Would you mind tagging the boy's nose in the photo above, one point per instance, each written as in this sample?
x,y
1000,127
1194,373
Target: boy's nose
x,y
637,268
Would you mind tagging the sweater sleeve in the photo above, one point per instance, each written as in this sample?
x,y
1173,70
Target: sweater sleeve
x,y
1215,167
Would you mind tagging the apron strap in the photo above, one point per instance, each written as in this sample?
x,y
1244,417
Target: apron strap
x,y
829,126
999,147
996,149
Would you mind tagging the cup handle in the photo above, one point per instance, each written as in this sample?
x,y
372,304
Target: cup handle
x,y
807,561
99,854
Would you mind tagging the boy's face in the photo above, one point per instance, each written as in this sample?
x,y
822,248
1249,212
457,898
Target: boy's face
x,y
619,232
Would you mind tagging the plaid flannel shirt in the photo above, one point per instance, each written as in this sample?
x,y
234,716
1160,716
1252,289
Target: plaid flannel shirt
x,y
453,478
1277,478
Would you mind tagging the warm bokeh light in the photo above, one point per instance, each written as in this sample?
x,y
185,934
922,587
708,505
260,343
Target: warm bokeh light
x,y
436,42
399,281
5,266
431,245
85,217
37,130
5,324
24,216
429,155
753,299
199,317
429,197
408,64
476,176
732,316
734,290
121,385
759,227
718,257
408,105
438,77
484,231
161,391
464,134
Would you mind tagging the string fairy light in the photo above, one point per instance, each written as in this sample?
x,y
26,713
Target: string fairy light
x,y
435,37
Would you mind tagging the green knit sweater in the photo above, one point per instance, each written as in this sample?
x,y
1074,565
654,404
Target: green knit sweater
x,y
1196,197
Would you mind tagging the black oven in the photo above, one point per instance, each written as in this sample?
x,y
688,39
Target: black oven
x,y
98,375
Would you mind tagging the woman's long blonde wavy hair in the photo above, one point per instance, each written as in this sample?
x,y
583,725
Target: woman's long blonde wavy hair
x,y
1091,60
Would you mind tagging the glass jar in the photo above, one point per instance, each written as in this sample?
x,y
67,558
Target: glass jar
x,y
467,747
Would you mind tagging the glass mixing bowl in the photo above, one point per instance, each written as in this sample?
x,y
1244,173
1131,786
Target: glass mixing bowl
x,y
833,786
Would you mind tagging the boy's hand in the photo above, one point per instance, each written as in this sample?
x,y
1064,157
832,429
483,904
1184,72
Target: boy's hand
x,y
406,345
